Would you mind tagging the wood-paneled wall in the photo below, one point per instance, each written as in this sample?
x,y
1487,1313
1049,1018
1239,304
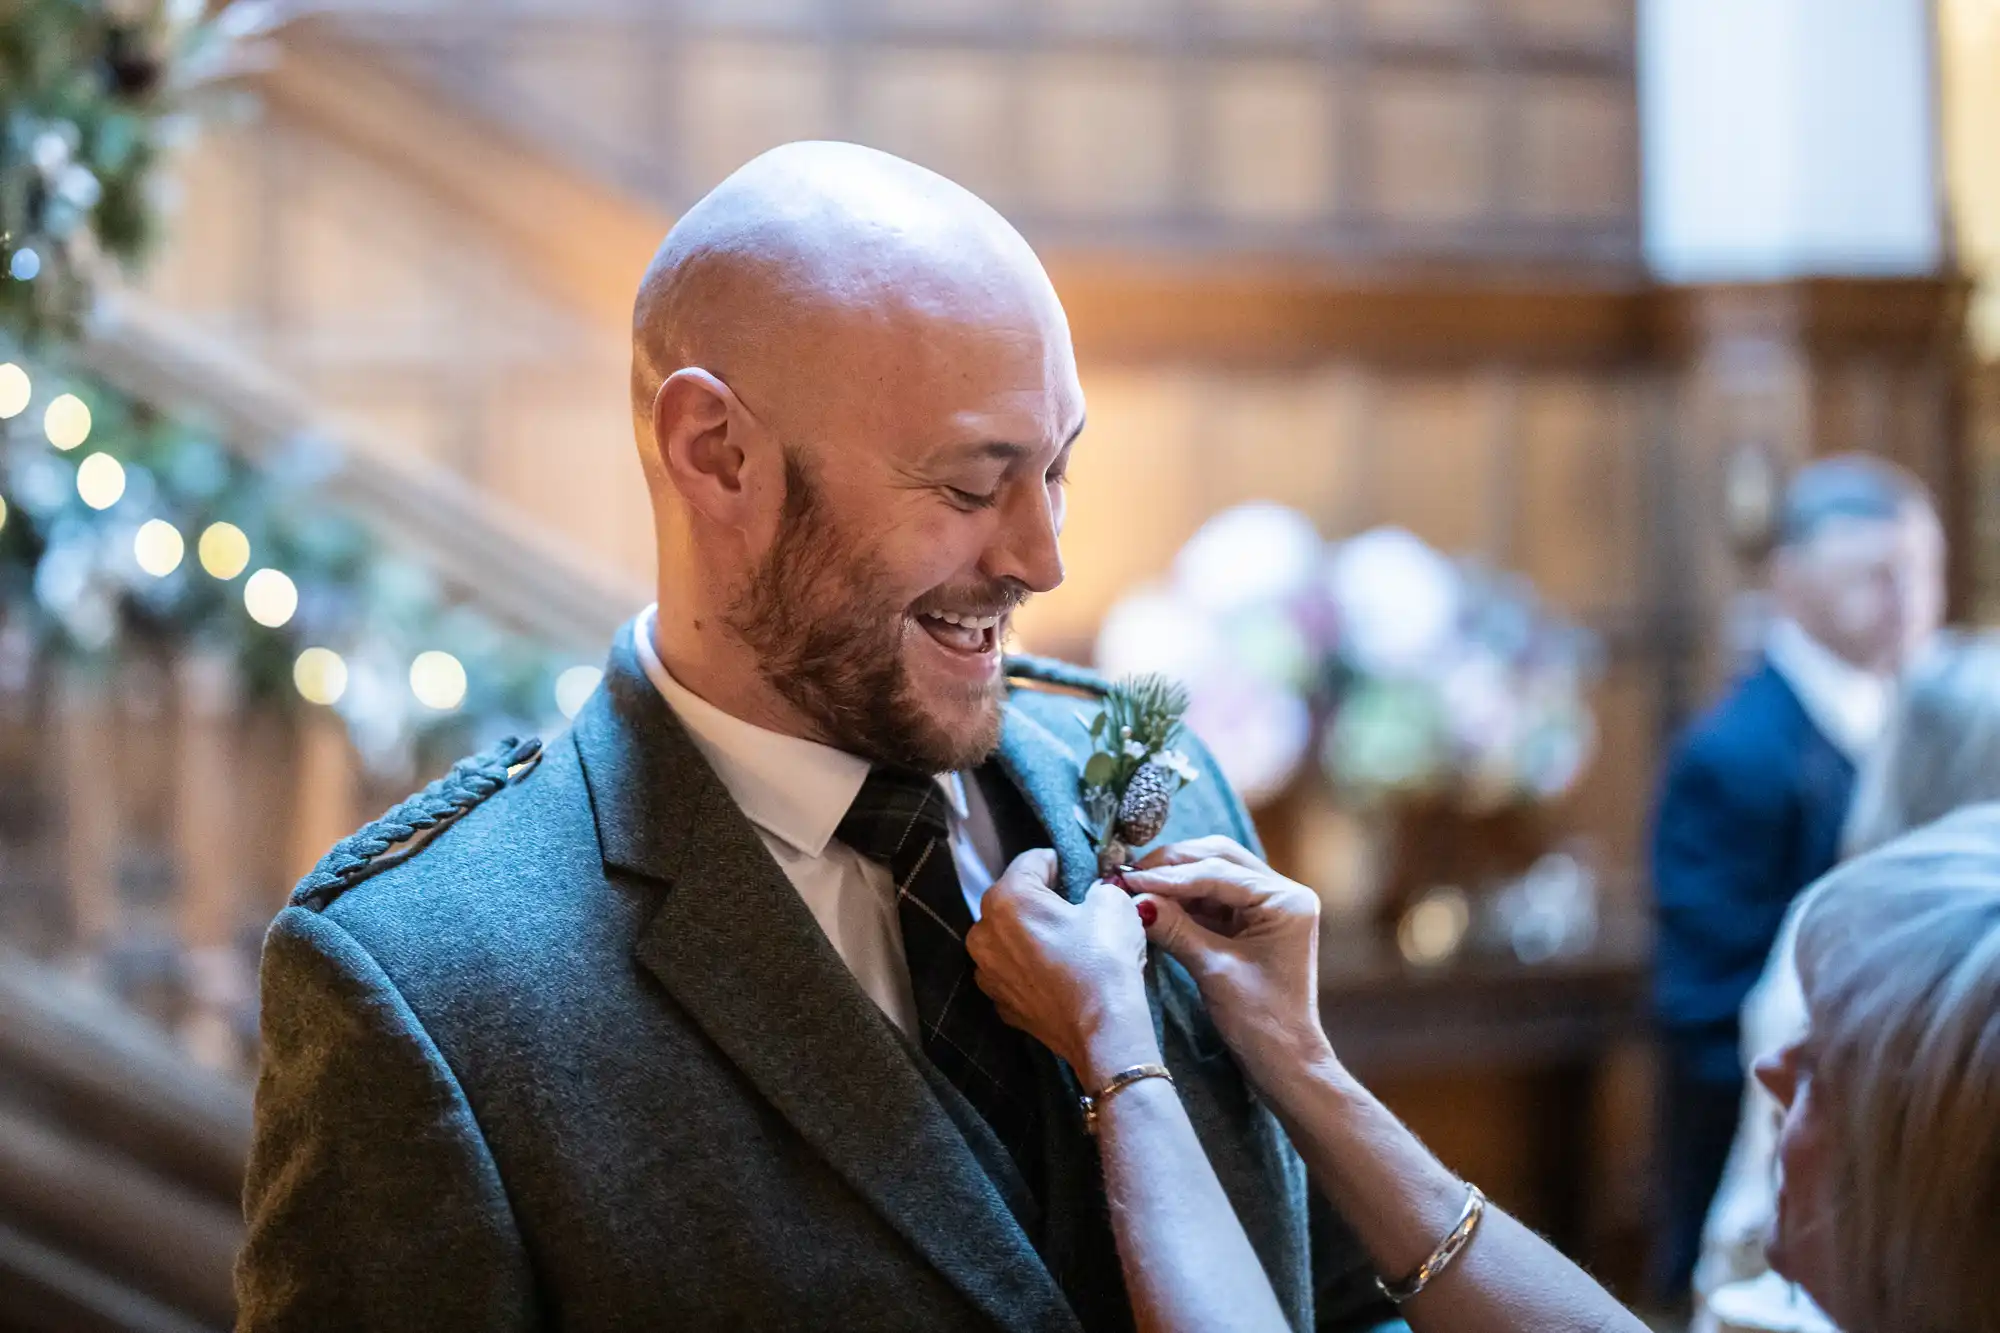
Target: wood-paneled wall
x,y
1375,260
1489,128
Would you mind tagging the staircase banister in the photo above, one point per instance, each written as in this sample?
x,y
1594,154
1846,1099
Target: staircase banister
x,y
116,1078
497,557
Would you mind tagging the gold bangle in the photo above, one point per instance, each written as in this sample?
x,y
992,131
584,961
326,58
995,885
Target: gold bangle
x,y
1117,1083
1447,1250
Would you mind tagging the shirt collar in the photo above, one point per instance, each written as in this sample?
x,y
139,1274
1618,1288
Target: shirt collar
x,y
1848,705
794,789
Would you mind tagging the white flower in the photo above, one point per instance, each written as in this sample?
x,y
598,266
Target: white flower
x,y
1133,750
1158,629
51,152
80,186
1255,553
1178,763
1398,601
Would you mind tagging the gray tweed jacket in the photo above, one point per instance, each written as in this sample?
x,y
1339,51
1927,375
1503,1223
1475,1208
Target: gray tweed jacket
x,y
583,1060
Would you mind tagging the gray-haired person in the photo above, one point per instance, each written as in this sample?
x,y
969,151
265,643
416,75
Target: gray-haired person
x,y
1939,752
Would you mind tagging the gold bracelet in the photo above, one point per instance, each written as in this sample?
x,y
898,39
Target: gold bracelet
x,y
1447,1250
1117,1083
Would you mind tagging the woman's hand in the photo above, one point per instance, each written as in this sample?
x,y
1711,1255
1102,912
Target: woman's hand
x,y
1069,975
1250,939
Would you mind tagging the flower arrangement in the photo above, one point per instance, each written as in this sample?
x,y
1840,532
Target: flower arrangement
x,y
1399,673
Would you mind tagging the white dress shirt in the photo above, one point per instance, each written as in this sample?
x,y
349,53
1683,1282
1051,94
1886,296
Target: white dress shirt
x,y
1847,704
796,792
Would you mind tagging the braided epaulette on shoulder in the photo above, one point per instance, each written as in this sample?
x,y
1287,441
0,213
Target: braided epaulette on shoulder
x,y
470,781
1051,671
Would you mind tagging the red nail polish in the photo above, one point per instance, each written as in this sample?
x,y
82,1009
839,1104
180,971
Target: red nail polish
x,y
1148,914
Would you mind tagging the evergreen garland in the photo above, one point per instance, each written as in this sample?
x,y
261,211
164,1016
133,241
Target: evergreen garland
x,y
92,95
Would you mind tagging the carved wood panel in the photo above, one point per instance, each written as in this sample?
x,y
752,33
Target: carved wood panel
x,y
1388,129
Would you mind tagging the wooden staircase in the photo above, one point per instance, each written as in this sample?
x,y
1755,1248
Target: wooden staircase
x,y
120,1167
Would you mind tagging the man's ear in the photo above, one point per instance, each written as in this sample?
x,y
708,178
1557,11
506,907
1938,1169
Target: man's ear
x,y
699,432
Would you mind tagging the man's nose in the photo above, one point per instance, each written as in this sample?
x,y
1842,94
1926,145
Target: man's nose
x,y
1028,547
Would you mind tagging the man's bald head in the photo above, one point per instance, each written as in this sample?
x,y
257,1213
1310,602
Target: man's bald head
x,y
854,395
821,243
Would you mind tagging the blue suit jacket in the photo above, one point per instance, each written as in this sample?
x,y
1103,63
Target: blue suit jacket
x,y
583,1060
1750,813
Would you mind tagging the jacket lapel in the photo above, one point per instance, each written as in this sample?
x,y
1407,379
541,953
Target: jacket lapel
x,y
1043,767
736,948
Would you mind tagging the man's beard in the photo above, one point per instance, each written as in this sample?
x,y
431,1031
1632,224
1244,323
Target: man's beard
x,y
814,615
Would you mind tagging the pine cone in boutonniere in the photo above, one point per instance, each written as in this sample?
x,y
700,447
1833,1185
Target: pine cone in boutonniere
x,y
1130,779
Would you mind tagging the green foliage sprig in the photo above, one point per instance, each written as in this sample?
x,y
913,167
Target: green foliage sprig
x,y
1134,731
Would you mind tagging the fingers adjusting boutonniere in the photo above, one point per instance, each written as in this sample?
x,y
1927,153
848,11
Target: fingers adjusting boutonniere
x,y
1129,781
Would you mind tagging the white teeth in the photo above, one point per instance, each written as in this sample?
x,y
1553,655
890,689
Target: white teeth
x,y
967,622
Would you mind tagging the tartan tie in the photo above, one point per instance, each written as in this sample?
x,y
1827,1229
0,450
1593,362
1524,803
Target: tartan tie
x,y
898,820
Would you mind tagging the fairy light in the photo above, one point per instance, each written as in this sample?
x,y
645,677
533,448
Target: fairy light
x,y
320,675
574,686
438,680
15,391
270,597
67,422
159,547
223,550
1432,931
100,480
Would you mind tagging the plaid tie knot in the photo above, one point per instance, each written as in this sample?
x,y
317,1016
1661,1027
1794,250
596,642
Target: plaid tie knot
x,y
895,815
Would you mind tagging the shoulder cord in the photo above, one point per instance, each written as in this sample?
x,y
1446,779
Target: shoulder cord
x,y
469,782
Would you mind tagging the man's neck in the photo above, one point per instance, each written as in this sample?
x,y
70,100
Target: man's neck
x,y
711,663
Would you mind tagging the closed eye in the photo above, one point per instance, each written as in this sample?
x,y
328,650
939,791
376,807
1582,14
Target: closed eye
x,y
971,499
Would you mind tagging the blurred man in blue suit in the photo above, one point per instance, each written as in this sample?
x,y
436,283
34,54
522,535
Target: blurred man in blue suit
x,y
1757,790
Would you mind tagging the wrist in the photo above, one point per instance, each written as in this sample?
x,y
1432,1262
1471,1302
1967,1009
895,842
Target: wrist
x,y
1116,1041
1295,1062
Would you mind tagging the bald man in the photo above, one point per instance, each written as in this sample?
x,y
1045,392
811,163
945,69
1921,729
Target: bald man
x,y
671,1026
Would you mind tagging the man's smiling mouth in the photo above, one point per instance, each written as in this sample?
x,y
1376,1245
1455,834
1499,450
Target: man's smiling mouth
x,y
963,633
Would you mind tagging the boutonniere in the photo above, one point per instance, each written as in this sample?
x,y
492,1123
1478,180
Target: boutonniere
x,y
1133,772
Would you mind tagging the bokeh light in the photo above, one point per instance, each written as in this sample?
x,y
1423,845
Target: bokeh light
x,y
223,550
67,422
1433,930
159,547
100,480
438,680
321,675
3,513
573,688
25,265
270,597
15,390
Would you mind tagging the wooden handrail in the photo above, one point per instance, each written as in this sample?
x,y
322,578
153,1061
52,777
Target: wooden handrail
x,y
43,1290
109,1076
113,1215
121,1164
505,562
